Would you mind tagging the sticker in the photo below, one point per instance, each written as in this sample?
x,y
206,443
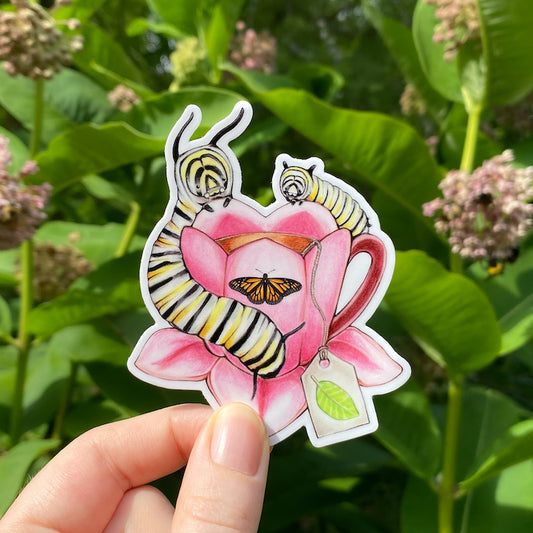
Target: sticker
x,y
248,300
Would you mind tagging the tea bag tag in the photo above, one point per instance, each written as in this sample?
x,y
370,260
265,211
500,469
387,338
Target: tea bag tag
x,y
333,395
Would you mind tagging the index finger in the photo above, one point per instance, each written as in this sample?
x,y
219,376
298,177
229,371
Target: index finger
x,y
81,487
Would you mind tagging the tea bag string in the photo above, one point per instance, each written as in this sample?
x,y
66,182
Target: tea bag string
x,y
323,350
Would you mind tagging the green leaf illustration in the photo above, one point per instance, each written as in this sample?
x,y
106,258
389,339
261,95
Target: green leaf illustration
x,y
334,400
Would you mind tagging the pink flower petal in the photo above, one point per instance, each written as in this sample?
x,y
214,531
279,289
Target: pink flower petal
x,y
330,264
278,400
173,355
205,259
373,364
310,220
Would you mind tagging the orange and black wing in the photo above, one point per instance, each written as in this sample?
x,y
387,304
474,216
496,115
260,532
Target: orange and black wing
x,y
252,288
278,288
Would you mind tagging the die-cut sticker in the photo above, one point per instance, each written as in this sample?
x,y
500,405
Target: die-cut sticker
x,y
266,305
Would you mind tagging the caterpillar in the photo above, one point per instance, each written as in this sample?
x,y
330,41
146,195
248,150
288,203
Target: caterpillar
x,y
203,174
298,184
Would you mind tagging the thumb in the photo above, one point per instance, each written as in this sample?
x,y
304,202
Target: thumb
x,y
224,484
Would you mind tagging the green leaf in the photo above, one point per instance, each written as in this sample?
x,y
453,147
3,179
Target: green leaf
x,y
442,75
85,416
407,428
19,151
515,446
90,149
111,289
15,464
157,116
80,9
385,152
100,48
508,47
517,326
220,30
334,400
139,26
399,41
77,97
17,96
446,313
179,13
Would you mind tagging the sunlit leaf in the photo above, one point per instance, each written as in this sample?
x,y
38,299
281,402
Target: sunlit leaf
x,y
15,464
446,313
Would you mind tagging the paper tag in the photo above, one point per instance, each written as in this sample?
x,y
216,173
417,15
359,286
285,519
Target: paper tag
x,y
333,395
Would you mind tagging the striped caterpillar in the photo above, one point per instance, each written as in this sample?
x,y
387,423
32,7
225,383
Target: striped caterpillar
x,y
298,184
204,174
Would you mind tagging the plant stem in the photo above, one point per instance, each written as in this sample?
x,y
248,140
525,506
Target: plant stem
x,y
26,285
26,299
447,486
65,403
469,148
129,232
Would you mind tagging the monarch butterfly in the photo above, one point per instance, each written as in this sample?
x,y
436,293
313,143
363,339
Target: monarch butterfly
x,y
204,174
298,184
265,289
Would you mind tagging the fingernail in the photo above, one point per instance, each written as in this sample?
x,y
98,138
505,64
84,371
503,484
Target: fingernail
x,y
238,440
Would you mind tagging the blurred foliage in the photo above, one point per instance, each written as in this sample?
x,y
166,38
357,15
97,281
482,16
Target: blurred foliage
x,y
340,70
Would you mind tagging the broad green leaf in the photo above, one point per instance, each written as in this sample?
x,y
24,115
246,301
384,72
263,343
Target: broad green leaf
x,y
258,133
139,26
220,29
77,97
179,13
111,289
506,27
89,149
19,151
407,429
399,41
110,79
45,386
386,152
15,464
107,190
85,416
157,116
517,326
443,75
99,47
17,96
446,313
119,385
515,446
88,342
503,504
80,9
321,80
334,400
6,324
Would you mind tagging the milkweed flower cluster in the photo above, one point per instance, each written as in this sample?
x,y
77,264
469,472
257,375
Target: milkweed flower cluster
x,y
459,23
485,214
123,98
186,60
31,43
21,207
251,50
55,268
411,102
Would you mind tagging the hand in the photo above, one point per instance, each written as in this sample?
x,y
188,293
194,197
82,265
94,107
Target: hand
x,y
97,484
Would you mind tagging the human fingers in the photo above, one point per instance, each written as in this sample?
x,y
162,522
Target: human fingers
x,y
140,510
225,479
79,490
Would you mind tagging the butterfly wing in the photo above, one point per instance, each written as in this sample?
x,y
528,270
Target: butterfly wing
x,y
252,288
278,288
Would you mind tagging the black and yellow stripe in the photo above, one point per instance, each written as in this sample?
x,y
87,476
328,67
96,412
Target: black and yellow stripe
x,y
202,175
298,184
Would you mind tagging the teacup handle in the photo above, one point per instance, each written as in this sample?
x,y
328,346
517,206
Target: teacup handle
x,y
378,254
